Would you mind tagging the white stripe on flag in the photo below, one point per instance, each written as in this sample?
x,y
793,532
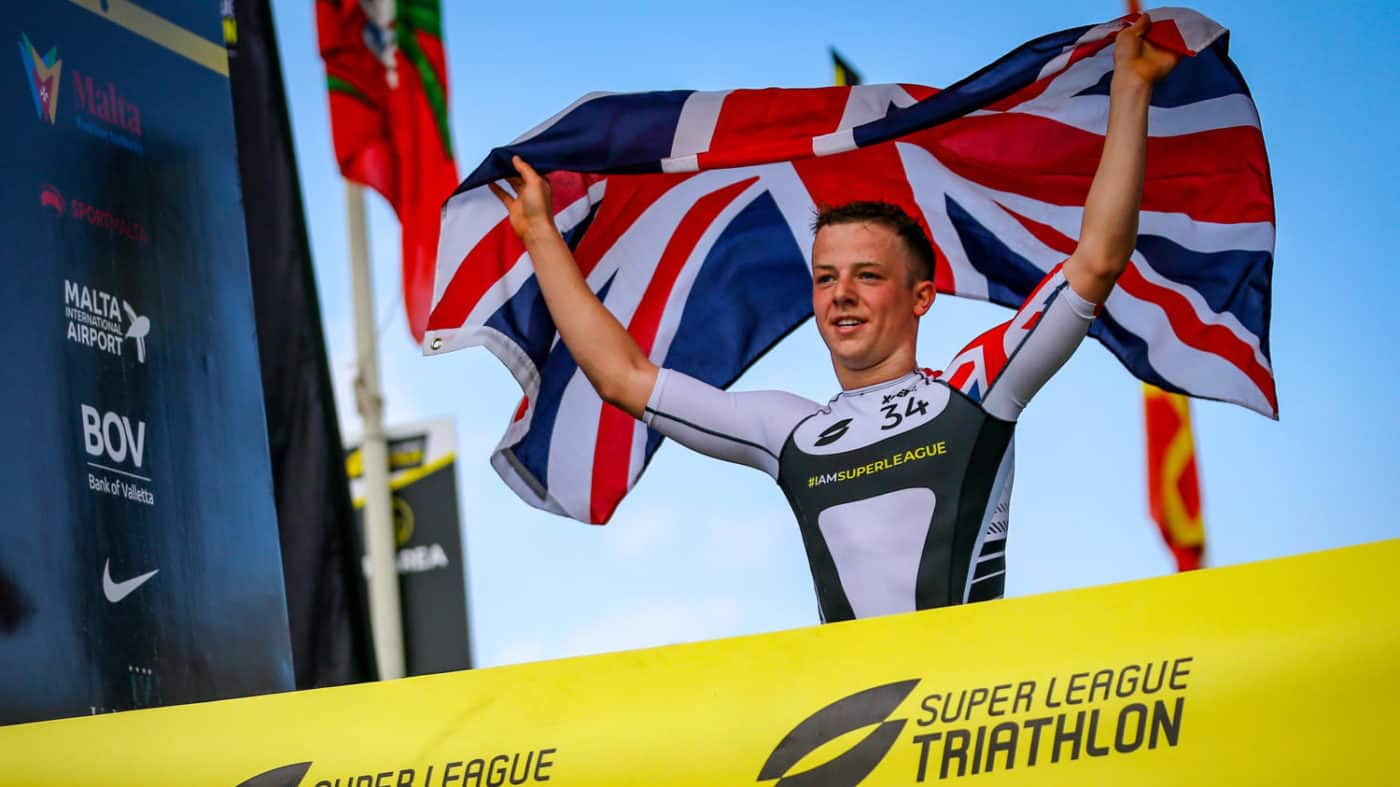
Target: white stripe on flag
x,y
1197,30
833,143
572,444
696,125
1196,371
868,103
466,218
1090,113
928,179
1202,309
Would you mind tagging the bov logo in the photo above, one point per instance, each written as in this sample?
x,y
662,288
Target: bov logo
x,y
870,707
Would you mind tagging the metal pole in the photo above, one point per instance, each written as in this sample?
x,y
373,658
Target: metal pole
x,y
384,610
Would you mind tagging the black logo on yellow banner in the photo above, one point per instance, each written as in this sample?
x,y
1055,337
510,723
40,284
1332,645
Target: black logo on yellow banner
x,y
284,776
862,709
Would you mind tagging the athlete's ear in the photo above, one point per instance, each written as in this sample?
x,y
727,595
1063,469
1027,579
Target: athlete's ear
x,y
924,293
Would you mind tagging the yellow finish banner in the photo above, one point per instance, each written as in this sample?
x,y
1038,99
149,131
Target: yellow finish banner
x,y
1280,672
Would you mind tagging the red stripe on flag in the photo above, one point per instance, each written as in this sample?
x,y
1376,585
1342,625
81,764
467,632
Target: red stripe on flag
x,y
919,92
882,179
614,445
1220,175
626,198
483,266
1044,233
1167,35
1186,324
758,119
490,259
1191,331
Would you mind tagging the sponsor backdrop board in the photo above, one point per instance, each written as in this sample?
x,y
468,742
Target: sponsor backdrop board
x,y
1279,672
428,536
139,560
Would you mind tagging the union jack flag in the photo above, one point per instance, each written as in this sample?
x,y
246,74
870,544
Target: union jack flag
x,y
689,214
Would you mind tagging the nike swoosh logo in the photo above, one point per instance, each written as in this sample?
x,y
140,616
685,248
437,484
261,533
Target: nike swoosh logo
x,y
116,591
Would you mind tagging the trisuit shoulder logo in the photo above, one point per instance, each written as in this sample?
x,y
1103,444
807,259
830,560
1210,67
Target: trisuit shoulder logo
x,y
867,708
43,73
833,433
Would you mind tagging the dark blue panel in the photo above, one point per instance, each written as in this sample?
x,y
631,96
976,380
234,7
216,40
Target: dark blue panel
x,y
1128,348
1010,277
134,400
753,288
1012,72
525,319
625,133
1207,75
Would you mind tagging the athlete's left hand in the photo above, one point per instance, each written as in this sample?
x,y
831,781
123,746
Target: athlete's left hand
x,y
1135,55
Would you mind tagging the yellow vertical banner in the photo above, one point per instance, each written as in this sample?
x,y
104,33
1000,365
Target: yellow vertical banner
x,y
1173,481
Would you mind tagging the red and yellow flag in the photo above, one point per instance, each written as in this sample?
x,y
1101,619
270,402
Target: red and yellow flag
x,y
387,78
1173,488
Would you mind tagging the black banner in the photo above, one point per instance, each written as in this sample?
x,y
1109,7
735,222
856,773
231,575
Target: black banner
x,y
326,607
138,559
428,539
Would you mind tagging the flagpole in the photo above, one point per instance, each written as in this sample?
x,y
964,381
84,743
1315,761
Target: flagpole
x,y
384,613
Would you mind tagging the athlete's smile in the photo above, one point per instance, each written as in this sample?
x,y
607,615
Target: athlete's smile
x,y
846,325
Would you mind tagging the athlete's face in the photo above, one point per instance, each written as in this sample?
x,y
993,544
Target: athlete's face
x,y
866,302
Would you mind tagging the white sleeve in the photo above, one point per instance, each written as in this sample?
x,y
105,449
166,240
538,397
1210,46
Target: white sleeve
x,y
1042,337
1004,367
749,427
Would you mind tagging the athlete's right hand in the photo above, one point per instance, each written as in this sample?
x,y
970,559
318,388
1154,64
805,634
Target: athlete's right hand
x,y
531,209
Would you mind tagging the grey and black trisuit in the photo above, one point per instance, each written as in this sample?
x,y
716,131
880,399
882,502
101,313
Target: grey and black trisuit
x,y
901,489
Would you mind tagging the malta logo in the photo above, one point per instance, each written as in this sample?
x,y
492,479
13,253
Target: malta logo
x,y
43,73
862,709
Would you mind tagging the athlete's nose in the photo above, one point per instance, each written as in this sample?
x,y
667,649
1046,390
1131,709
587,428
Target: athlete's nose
x,y
844,292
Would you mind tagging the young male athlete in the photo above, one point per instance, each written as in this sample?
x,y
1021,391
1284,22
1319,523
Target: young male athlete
x,y
901,483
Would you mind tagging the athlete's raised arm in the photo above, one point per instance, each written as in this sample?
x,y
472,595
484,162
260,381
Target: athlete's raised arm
x,y
618,369
1109,229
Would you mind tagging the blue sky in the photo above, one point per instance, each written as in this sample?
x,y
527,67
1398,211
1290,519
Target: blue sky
x,y
703,549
